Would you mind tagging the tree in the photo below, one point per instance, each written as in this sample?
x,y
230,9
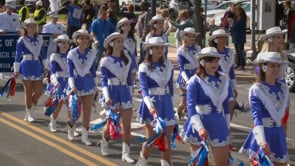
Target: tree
x,y
198,21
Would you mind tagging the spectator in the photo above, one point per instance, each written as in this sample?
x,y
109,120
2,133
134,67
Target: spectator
x,y
228,17
112,5
289,11
75,16
238,33
9,21
142,28
184,22
23,12
100,29
279,13
167,25
292,37
89,14
96,7
111,17
40,15
55,29
130,15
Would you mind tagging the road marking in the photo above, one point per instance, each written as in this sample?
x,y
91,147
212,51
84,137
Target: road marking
x,y
45,141
60,140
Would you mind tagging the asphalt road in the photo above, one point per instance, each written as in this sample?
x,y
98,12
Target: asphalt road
x,y
22,143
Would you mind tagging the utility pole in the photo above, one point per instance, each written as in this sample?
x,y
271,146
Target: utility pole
x,y
253,28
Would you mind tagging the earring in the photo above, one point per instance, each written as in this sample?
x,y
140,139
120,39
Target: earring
x,y
111,44
264,68
270,39
202,62
215,41
150,51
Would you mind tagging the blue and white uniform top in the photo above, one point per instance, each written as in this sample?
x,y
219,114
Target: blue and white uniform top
x,y
30,59
9,22
208,107
82,71
163,36
187,63
115,81
157,91
227,65
268,104
58,73
131,50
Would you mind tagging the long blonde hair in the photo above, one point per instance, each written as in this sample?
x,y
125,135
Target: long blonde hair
x,y
266,48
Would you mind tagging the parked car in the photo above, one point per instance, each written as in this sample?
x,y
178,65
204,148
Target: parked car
x,y
218,13
124,2
290,73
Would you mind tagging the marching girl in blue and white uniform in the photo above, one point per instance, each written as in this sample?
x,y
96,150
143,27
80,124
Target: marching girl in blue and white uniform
x,y
219,40
31,65
268,99
58,75
157,30
124,28
81,63
187,63
156,82
208,96
273,41
115,82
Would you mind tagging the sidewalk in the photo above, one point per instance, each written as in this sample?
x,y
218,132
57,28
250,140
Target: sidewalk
x,y
245,76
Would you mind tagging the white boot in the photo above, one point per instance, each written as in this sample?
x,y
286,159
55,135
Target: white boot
x,y
71,132
29,115
141,161
104,146
125,154
85,139
164,163
52,124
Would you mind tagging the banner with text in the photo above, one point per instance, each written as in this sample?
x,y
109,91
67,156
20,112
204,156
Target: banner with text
x,y
8,50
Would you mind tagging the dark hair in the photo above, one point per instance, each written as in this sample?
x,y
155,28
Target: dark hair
x,y
201,72
144,6
109,51
242,12
261,74
130,8
58,49
148,59
130,33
